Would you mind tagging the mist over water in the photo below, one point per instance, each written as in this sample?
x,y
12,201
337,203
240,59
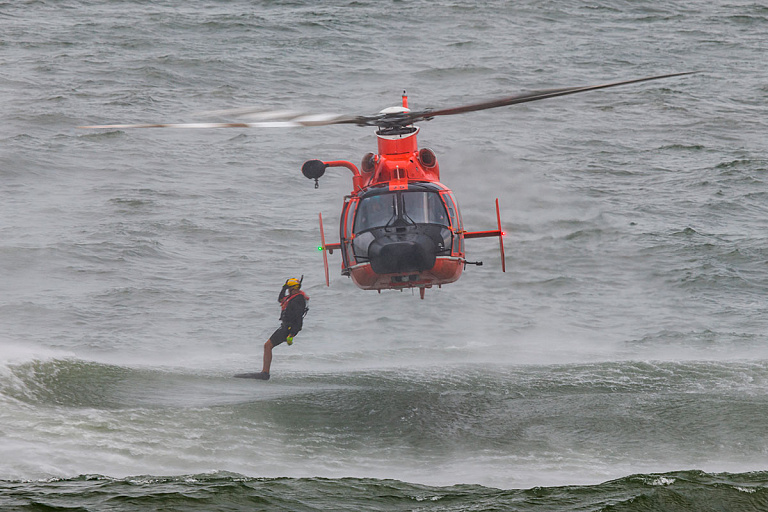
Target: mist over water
x,y
620,361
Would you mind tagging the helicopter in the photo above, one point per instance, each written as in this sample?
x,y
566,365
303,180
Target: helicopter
x,y
400,227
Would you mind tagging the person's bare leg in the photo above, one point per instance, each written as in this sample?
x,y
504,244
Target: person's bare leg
x,y
267,356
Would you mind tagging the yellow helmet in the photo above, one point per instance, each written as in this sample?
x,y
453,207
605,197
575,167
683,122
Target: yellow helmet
x,y
293,283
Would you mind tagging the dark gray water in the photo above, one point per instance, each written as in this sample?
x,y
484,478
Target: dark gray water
x,y
620,361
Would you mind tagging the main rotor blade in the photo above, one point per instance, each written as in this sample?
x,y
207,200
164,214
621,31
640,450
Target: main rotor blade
x,y
528,97
290,119
281,119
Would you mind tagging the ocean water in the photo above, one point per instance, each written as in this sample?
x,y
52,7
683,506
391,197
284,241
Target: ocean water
x,y
621,362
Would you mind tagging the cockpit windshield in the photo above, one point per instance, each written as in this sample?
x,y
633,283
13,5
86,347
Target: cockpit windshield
x,y
412,207
375,211
424,208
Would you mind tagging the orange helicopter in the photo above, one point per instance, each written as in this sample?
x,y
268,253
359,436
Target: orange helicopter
x,y
400,227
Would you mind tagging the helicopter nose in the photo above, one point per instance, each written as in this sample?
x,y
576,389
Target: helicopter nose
x,y
409,253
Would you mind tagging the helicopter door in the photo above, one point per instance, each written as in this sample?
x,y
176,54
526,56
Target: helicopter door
x,y
346,235
453,212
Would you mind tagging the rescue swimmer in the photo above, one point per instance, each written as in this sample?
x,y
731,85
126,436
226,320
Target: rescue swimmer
x,y
293,303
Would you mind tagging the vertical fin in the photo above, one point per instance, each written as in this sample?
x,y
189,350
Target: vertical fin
x,y
501,237
325,251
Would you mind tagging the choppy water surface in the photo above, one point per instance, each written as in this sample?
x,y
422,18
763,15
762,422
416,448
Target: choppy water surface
x,y
620,363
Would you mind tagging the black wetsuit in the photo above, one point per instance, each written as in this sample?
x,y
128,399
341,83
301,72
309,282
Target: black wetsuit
x,y
292,317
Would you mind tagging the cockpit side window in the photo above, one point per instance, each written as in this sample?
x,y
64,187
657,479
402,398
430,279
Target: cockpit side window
x,y
350,215
450,202
375,211
425,208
